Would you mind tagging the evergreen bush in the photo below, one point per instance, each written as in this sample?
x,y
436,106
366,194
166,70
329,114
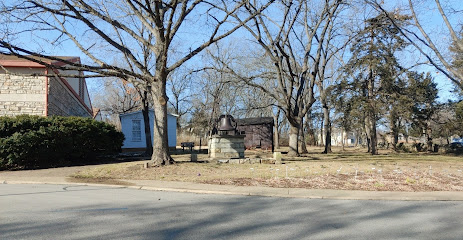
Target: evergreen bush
x,y
29,142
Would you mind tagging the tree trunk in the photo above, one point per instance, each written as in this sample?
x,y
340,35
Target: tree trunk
x,y
322,139
276,133
342,139
160,145
368,134
177,111
327,127
302,141
293,142
371,115
395,140
368,145
373,137
429,137
395,134
146,120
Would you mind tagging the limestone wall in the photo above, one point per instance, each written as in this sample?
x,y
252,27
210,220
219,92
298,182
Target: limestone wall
x,y
28,95
22,95
62,102
226,146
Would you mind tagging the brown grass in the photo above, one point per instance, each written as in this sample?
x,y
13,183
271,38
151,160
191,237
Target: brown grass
x,y
351,170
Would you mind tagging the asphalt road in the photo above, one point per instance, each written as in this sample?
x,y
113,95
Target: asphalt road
x,y
87,212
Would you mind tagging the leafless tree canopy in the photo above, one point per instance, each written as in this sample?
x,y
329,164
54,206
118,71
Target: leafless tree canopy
x,y
426,42
293,42
286,56
107,30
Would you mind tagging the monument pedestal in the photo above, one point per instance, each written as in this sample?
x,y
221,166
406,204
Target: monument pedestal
x,y
226,146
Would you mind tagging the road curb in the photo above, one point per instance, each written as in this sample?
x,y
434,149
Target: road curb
x,y
277,192
61,183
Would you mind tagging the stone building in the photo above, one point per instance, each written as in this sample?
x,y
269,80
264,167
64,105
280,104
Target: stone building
x,y
24,91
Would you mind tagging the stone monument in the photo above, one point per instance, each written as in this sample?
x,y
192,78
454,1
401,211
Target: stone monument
x,y
225,140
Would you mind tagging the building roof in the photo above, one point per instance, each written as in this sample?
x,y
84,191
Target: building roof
x,y
14,61
139,111
255,121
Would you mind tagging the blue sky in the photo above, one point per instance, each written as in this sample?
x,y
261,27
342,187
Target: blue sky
x,y
431,21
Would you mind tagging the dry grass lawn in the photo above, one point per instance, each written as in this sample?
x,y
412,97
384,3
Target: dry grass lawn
x,y
352,169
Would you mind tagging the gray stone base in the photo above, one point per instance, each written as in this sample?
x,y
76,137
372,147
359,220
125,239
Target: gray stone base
x,y
247,160
228,147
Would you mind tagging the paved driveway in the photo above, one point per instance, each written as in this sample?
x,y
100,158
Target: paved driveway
x,y
42,175
84,212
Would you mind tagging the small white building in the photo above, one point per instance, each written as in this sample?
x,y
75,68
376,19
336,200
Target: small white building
x,y
133,128
338,136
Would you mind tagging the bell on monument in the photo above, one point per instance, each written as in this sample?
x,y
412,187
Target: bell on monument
x,y
225,140
225,123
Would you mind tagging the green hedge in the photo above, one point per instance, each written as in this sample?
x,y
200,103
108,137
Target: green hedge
x,y
29,142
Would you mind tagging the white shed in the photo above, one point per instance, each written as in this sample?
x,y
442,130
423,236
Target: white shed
x,y
132,125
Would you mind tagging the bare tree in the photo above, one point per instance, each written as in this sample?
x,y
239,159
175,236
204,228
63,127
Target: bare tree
x,y
119,97
180,87
331,64
424,42
248,101
292,45
95,25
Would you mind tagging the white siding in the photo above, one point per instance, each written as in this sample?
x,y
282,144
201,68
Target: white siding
x,y
126,124
171,130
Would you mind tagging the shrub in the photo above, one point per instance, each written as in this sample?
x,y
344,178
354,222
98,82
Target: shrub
x,y
28,142
401,147
420,147
456,148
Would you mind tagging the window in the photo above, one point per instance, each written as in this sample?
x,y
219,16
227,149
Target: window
x,y
136,130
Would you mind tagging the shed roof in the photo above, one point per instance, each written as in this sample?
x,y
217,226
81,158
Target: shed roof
x,y
139,111
255,121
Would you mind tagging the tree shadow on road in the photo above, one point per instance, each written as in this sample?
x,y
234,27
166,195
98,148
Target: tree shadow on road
x,y
183,216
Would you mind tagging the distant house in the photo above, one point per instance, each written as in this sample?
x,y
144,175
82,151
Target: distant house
x,y
24,91
339,137
259,132
133,128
